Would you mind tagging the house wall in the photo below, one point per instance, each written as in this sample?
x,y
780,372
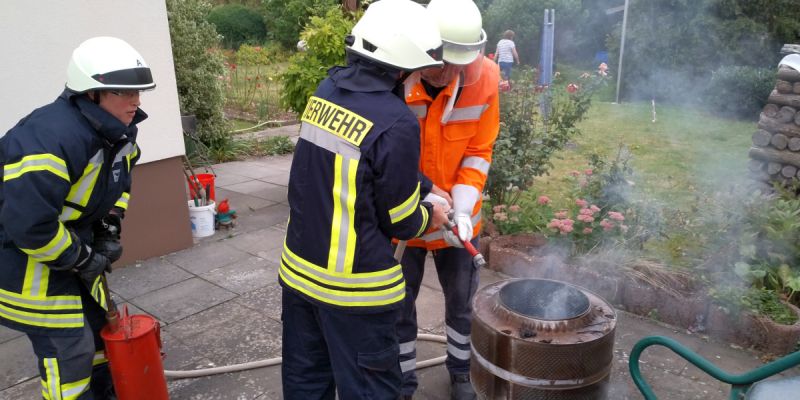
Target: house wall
x,y
36,41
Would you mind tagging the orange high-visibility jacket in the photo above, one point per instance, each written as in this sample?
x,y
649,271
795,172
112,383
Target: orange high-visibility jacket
x,y
456,138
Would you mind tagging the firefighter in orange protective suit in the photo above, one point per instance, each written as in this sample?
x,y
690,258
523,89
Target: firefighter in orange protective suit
x,y
458,112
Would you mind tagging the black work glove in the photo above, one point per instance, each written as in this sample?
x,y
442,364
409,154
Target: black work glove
x,y
106,237
90,265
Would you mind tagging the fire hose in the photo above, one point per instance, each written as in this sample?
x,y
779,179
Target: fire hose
x,y
477,258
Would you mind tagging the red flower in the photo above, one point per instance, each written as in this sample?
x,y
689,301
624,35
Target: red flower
x,y
572,88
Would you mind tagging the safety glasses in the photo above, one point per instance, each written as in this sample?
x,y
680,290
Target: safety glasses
x,y
126,94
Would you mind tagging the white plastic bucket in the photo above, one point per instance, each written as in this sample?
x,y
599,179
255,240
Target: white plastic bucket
x,y
202,219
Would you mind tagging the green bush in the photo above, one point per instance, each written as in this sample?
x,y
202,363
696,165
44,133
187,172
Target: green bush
x,y
740,91
527,140
325,38
199,68
286,18
238,25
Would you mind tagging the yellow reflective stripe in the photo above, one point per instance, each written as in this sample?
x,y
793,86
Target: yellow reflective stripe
x,y
45,394
82,189
72,390
49,252
97,292
424,221
50,303
36,162
123,201
99,358
37,277
42,320
343,280
53,377
69,214
343,233
402,211
340,297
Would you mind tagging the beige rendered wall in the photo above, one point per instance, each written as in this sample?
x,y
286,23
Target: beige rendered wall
x,y
36,40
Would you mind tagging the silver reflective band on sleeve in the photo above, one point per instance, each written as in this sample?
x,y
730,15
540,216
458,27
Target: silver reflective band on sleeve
x,y
328,141
36,162
476,163
408,365
472,113
421,111
48,303
408,347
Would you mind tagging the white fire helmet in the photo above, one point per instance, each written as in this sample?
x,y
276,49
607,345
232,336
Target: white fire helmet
x,y
398,34
103,63
463,37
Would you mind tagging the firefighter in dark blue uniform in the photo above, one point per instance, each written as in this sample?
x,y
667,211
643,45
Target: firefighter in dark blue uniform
x,y
353,186
66,184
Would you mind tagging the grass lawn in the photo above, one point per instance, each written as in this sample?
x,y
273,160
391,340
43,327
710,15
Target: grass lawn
x,y
682,154
679,163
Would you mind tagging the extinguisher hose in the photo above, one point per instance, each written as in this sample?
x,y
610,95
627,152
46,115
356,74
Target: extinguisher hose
x,y
277,360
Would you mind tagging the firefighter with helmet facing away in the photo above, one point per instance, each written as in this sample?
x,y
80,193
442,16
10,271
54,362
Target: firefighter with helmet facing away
x,y
353,186
458,112
66,184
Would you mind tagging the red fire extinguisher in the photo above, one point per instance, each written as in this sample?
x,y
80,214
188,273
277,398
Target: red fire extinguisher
x,y
133,350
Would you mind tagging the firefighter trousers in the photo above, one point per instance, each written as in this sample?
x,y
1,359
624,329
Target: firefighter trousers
x,y
459,280
327,351
75,367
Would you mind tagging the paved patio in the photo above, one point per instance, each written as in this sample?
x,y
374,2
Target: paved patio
x,y
219,304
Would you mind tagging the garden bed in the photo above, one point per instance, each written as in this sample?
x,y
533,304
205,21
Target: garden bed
x,y
679,304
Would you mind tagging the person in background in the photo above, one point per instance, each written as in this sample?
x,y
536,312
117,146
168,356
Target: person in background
x,y
354,185
506,54
459,117
66,184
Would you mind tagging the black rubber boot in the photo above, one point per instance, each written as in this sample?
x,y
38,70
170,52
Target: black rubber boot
x,y
461,388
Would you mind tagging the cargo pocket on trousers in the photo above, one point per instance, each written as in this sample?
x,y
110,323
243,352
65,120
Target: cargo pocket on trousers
x,y
382,360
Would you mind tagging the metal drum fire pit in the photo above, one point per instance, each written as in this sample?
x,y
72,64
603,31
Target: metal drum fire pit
x,y
541,339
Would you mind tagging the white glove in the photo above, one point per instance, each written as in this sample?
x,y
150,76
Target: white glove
x,y
435,198
464,224
464,198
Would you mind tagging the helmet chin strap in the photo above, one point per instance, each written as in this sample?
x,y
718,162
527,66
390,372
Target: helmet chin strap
x,y
94,95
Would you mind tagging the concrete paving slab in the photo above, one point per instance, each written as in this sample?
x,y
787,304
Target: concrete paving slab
x,y
257,241
226,179
209,256
28,390
7,334
183,299
434,382
430,310
266,300
264,217
273,192
281,178
179,356
243,203
250,169
251,187
230,333
244,276
142,277
247,385
18,362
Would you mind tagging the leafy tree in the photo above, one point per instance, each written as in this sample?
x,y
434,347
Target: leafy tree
x,y
238,24
670,42
525,18
325,39
286,18
198,67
